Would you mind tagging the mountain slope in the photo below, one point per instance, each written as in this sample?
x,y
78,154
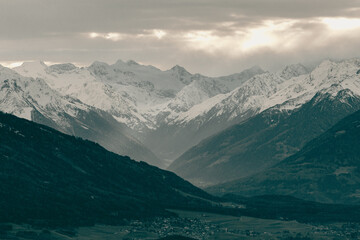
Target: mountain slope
x,y
327,169
265,139
49,178
33,99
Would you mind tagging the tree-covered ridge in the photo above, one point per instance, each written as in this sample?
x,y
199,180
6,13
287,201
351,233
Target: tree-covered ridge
x,y
48,177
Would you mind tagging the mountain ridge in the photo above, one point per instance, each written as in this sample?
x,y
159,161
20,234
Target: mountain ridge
x,y
326,169
52,179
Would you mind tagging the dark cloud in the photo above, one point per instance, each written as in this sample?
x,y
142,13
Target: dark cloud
x,y
46,16
59,31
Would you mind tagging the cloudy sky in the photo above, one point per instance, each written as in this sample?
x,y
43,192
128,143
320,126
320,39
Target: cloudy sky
x,y
213,37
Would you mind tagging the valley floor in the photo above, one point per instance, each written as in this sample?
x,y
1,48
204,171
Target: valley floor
x,y
196,225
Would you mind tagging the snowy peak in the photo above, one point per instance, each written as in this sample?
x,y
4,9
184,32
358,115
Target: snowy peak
x,y
254,70
182,74
62,68
247,73
179,70
302,88
335,91
35,64
20,95
294,70
34,69
235,80
99,68
132,63
335,71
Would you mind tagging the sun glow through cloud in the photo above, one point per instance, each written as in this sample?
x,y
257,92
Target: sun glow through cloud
x,y
116,36
277,35
109,36
242,40
93,35
341,23
255,38
159,33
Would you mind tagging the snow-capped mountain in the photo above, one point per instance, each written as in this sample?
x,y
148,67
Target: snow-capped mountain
x,y
33,99
249,96
144,98
262,91
80,83
135,94
301,89
22,96
173,110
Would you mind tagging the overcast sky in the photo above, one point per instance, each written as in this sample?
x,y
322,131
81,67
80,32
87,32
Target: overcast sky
x,y
212,37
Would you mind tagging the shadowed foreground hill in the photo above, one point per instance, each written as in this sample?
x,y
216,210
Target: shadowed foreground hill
x,y
327,169
49,178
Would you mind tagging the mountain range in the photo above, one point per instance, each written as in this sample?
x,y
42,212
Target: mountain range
x,y
171,111
208,129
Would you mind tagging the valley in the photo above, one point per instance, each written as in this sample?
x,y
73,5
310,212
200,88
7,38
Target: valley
x,y
194,225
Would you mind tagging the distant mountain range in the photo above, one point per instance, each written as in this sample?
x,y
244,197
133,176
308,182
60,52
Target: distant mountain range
x,y
171,111
326,169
